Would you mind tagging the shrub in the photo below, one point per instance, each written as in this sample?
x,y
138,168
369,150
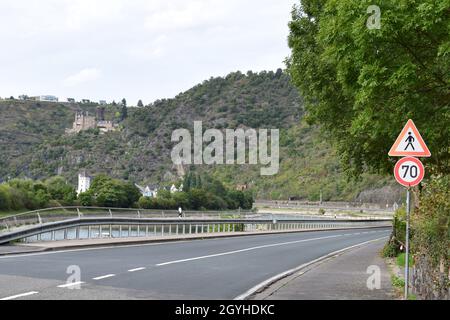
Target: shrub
x,y
397,239
431,223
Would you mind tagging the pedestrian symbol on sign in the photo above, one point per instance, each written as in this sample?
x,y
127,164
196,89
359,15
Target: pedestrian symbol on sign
x,y
410,141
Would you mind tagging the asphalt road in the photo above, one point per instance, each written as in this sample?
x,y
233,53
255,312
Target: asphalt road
x,y
200,269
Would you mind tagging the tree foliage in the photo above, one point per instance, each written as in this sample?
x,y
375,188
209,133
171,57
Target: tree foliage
x,y
200,192
124,110
21,194
431,222
361,85
108,192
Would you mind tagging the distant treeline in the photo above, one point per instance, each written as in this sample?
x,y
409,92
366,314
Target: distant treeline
x,y
20,194
200,192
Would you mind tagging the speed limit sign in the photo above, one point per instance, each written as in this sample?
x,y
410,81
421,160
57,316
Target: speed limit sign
x,y
409,172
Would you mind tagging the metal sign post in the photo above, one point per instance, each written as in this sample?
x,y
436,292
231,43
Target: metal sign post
x,y
409,172
408,210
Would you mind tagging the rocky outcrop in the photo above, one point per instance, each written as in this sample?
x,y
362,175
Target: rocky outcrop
x,y
385,195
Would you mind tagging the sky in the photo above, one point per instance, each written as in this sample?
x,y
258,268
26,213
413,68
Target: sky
x,y
138,49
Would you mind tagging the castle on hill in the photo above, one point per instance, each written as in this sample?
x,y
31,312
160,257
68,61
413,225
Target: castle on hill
x,y
83,121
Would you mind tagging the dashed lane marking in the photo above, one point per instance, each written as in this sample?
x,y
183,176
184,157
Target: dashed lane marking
x,y
68,285
104,277
20,295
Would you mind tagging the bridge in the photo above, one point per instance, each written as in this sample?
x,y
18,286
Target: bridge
x,y
76,223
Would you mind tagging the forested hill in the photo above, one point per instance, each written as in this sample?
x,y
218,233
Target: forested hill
x,y
34,144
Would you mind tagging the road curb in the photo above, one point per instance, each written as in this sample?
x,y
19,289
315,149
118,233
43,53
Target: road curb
x,y
150,241
261,287
5,254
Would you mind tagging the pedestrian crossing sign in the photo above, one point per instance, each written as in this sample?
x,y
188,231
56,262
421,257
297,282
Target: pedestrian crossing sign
x,y
409,143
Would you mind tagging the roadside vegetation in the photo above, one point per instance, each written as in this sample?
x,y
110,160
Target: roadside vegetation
x,y
361,85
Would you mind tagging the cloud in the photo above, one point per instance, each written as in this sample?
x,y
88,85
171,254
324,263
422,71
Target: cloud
x,y
152,49
160,47
85,75
185,15
84,13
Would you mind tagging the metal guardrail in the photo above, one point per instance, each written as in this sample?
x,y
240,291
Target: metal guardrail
x,y
115,227
42,216
326,205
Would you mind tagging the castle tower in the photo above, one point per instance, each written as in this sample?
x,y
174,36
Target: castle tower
x,y
84,182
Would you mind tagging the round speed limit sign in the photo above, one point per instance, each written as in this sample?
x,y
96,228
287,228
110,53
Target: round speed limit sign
x,y
409,172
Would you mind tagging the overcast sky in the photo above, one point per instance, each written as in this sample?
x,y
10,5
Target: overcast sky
x,y
137,49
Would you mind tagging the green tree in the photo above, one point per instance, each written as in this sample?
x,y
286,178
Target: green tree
x,y
132,192
86,199
140,104
108,192
60,190
197,199
361,85
192,180
124,110
111,195
5,197
28,194
181,199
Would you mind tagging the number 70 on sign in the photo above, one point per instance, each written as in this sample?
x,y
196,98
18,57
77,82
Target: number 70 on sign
x,y
409,172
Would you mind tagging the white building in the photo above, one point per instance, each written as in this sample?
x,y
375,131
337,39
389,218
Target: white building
x,y
148,191
174,189
47,98
84,182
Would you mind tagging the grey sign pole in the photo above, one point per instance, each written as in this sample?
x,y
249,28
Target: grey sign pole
x,y
408,210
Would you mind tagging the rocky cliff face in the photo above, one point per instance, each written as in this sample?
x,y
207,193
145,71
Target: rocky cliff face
x,y
387,194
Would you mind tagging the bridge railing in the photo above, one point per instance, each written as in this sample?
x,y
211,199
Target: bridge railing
x,y
104,227
42,216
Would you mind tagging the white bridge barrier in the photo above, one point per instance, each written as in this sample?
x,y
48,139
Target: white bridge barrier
x,y
75,223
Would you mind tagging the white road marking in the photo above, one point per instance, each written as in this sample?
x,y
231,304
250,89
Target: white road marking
x,y
244,250
104,277
20,295
67,285
137,269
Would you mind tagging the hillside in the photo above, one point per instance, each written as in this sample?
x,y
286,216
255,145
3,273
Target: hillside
x,y
34,143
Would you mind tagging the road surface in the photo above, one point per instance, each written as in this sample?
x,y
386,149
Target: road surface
x,y
200,269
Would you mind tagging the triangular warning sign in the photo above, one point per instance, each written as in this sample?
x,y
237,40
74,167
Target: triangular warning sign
x,y
409,143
